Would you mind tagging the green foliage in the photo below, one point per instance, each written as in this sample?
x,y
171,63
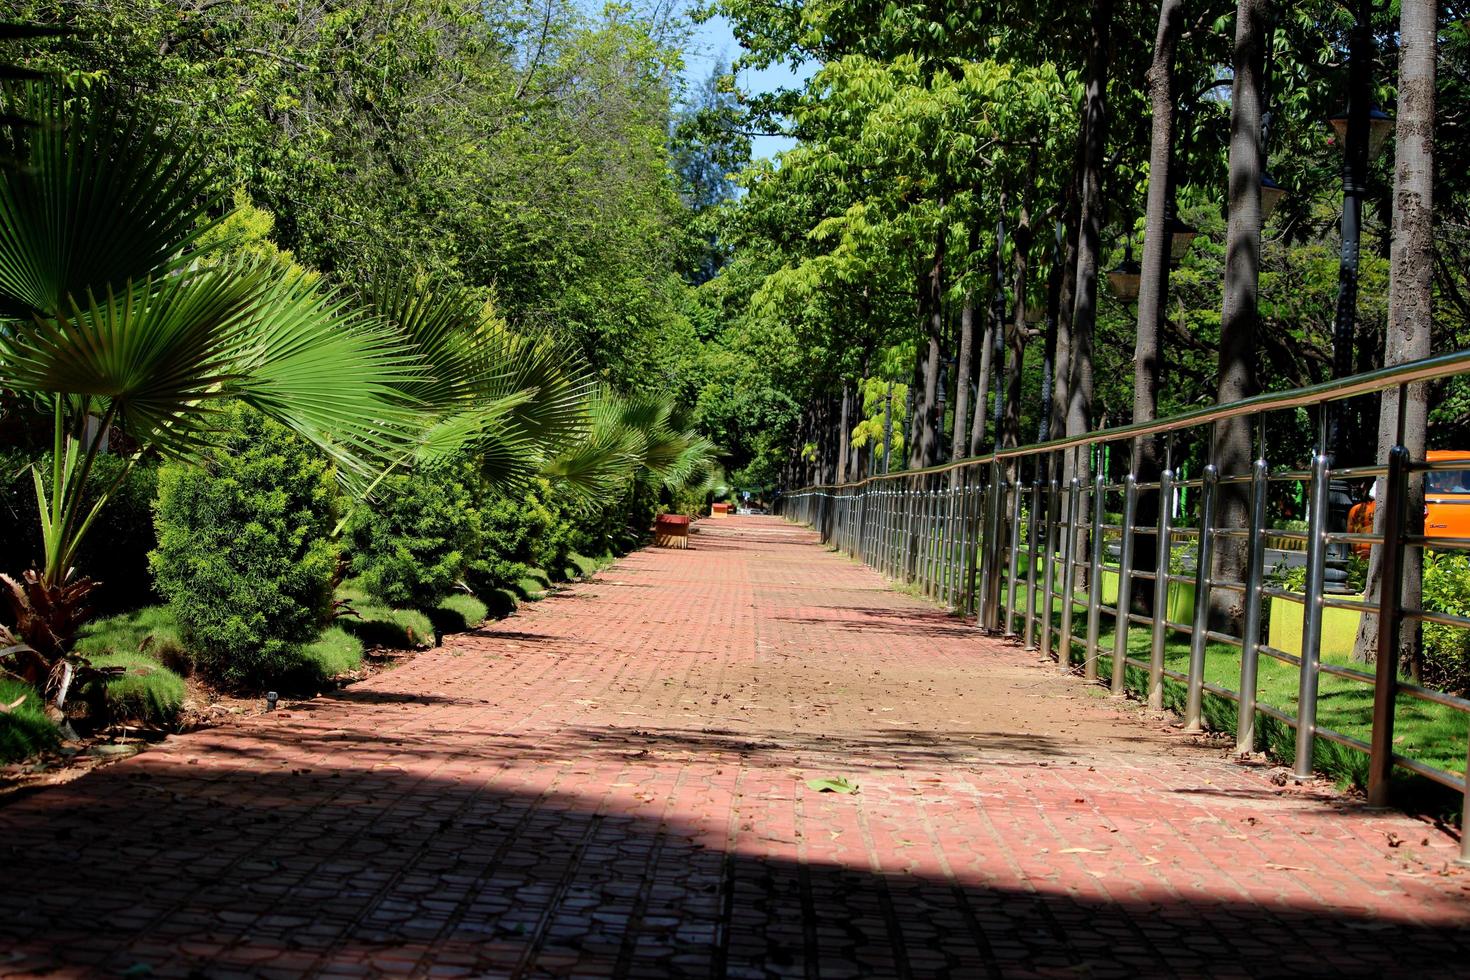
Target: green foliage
x,y
379,626
413,544
146,691
25,730
245,553
1447,648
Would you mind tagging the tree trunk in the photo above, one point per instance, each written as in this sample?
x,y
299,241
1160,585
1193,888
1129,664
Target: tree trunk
x,y
918,408
1054,277
1089,247
987,355
1410,304
1016,335
1238,315
932,370
1154,285
844,432
1066,296
963,363
1089,254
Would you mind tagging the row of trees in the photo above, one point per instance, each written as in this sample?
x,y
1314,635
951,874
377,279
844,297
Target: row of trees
x,y
963,178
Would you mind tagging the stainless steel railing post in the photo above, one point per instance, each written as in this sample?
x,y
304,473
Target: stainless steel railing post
x,y
1014,555
1199,626
1306,707
1125,585
1390,603
1161,591
1048,577
1069,576
1094,579
1033,529
1250,635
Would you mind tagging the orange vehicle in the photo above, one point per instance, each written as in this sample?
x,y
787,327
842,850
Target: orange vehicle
x,y
1446,501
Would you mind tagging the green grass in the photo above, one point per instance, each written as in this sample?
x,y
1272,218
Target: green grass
x,y
379,626
396,629
336,653
149,630
458,613
586,566
1433,734
24,730
146,691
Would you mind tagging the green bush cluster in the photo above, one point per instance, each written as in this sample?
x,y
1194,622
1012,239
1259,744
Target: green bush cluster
x,y
1447,648
246,557
411,547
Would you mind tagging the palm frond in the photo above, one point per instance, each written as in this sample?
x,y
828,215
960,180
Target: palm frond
x,y
463,353
328,373
95,202
155,350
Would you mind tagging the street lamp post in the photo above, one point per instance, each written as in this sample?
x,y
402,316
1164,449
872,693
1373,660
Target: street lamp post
x,y
1355,132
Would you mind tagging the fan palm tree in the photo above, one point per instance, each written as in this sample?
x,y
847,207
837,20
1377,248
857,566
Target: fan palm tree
x,y
511,402
634,438
113,317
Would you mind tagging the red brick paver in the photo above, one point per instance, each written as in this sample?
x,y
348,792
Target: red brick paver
x,y
612,782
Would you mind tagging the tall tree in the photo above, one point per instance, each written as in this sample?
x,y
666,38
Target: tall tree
x,y
1238,315
1410,299
1090,223
1154,278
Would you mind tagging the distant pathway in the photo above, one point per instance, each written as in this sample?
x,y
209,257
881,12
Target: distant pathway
x,y
613,783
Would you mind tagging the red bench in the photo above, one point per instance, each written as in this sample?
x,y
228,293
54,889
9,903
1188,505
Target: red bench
x,y
671,531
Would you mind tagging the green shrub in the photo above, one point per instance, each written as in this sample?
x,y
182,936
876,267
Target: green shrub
x,y
115,551
147,691
458,613
413,545
24,730
245,555
1447,648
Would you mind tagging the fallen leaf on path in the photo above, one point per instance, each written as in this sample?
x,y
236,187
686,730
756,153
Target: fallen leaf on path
x,y
1081,850
1286,867
834,784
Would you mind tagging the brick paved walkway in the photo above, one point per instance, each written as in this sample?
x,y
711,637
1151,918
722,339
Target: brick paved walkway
x,y
613,783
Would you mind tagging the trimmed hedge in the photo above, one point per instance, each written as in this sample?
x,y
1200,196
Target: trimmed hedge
x,y
245,555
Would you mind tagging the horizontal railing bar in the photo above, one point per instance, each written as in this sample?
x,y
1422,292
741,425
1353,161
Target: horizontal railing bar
x,y
1436,544
1442,619
1456,783
1335,602
1420,693
1275,653
1348,740
1219,637
1337,670
1392,376
1223,692
1276,713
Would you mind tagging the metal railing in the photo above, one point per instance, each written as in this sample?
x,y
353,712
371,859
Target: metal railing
x,y
1024,540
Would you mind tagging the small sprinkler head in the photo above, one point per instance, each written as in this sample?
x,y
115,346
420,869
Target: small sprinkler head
x,y
271,697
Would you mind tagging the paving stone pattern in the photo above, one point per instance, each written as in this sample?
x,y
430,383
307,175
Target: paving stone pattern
x,y
613,783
